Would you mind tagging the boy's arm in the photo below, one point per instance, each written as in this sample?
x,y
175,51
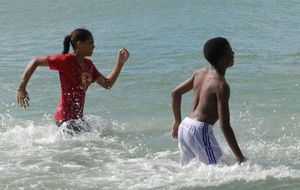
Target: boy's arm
x,y
108,82
22,95
223,95
176,103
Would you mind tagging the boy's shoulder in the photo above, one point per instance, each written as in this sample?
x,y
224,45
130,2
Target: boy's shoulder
x,y
204,69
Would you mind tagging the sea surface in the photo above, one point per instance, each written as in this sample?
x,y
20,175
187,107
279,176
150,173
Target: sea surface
x,y
130,145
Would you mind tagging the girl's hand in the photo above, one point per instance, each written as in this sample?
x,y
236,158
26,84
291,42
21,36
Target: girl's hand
x,y
123,56
23,98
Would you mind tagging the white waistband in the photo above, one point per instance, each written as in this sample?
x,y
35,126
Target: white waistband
x,y
195,122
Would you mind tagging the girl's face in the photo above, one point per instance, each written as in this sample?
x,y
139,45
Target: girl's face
x,y
86,47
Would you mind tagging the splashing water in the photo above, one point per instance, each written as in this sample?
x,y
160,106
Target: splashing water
x,y
38,155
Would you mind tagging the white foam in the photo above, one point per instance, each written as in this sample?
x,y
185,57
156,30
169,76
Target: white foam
x,y
109,157
162,172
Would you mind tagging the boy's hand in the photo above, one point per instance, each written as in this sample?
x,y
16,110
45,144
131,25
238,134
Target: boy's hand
x,y
123,56
175,129
23,98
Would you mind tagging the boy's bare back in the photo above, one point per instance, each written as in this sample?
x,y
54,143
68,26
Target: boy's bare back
x,y
206,85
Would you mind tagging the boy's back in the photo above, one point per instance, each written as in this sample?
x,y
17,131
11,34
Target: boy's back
x,y
206,84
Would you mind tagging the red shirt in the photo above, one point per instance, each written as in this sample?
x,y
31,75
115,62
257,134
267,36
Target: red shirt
x,y
74,81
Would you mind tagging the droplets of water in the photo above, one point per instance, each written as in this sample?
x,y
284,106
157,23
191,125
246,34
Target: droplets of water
x,y
40,155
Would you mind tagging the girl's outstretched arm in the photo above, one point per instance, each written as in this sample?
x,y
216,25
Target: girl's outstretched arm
x,y
22,95
108,82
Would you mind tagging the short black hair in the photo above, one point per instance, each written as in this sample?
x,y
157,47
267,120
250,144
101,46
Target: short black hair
x,y
214,49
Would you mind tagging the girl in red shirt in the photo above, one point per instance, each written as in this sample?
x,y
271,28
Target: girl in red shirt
x,y
76,73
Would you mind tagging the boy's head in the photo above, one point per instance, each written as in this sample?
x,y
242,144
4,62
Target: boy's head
x,y
216,49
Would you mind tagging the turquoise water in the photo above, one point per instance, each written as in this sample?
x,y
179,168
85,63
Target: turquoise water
x,y
130,146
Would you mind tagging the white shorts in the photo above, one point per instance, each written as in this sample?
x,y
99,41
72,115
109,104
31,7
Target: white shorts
x,y
196,139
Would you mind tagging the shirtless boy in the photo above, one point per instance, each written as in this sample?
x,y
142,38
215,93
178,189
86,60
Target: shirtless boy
x,y
210,103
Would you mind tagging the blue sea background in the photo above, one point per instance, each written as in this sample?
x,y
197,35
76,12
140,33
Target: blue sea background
x,y
130,146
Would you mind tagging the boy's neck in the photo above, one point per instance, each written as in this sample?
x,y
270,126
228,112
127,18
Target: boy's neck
x,y
221,71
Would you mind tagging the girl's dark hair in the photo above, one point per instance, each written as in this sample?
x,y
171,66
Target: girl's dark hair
x,y
214,49
80,34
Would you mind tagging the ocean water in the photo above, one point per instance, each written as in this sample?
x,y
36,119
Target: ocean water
x,y
130,146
